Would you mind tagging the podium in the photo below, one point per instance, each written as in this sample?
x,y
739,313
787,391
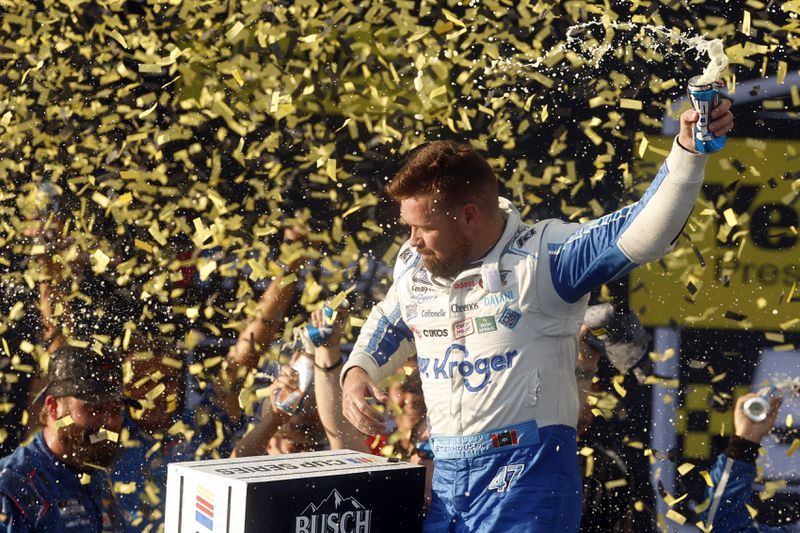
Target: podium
x,y
318,492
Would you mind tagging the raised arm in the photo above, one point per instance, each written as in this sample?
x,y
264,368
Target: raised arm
x,y
260,329
582,257
327,363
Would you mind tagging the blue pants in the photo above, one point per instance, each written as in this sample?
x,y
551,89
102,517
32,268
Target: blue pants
x,y
520,488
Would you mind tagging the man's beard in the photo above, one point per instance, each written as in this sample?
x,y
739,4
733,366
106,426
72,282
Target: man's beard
x,y
450,267
81,454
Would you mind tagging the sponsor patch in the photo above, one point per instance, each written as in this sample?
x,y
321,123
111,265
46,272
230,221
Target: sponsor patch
x,y
465,284
485,324
461,308
406,255
506,438
421,298
477,373
509,318
525,237
421,276
463,328
498,298
411,311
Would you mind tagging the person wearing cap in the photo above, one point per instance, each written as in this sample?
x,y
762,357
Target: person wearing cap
x,y
492,307
59,482
605,458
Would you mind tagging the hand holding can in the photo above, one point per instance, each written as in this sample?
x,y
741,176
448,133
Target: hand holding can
x,y
705,98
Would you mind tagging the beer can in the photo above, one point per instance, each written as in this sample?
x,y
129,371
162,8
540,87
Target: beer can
x,y
291,400
756,409
318,335
705,98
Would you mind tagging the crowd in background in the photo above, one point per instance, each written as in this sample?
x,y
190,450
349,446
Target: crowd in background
x,y
174,405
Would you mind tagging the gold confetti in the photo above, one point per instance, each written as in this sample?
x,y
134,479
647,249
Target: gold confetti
x,y
675,516
793,448
64,421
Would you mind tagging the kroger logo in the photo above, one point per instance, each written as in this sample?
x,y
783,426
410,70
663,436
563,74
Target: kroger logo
x,y
477,374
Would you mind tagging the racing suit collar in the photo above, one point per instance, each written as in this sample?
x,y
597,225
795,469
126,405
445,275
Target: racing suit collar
x,y
490,269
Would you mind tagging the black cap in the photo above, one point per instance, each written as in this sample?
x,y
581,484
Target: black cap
x,y
619,332
84,374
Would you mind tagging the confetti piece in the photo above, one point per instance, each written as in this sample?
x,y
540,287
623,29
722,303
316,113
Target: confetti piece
x,y
117,36
616,381
643,146
627,103
707,477
155,392
148,111
439,91
675,516
793,448
616,483
730,217
685,468
64,421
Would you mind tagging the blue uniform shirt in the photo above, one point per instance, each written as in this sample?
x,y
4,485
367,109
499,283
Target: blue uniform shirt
x,y
39,493
140,471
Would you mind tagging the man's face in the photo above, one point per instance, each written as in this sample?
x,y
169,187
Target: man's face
x,y
87,441
439,236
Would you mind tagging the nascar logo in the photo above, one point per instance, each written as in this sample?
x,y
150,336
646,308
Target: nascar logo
x,y
204,507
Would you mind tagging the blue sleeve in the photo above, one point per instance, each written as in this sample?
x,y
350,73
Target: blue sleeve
x,y
11,519
731,514
591,255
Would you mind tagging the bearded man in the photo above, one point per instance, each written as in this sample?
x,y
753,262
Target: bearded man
x,y
59,481
491,307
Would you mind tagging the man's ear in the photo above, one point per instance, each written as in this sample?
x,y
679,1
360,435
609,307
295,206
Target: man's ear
x,y
51,404
471,215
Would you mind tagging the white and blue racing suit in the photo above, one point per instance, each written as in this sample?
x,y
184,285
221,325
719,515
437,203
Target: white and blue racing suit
x,y
496,348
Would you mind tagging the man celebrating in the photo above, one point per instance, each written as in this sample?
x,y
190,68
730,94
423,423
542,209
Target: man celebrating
x,y
492,308
58,483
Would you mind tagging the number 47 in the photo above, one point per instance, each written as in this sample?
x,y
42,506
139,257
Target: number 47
x,y
505,476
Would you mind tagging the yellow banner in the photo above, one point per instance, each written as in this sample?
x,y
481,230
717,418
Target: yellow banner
x,y
742,267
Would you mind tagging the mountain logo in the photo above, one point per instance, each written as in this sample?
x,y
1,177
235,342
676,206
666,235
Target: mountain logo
x,y
334,513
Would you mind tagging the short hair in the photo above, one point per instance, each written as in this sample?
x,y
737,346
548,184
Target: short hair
x,y
452,173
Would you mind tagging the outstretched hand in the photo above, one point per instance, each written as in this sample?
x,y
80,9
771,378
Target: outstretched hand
x,y
356,389
748,429
721,123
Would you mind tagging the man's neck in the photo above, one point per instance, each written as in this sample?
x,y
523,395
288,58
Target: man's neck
x,y
490,241
52,441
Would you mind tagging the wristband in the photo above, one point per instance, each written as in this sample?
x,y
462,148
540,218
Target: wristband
x,y
742,449
332,367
